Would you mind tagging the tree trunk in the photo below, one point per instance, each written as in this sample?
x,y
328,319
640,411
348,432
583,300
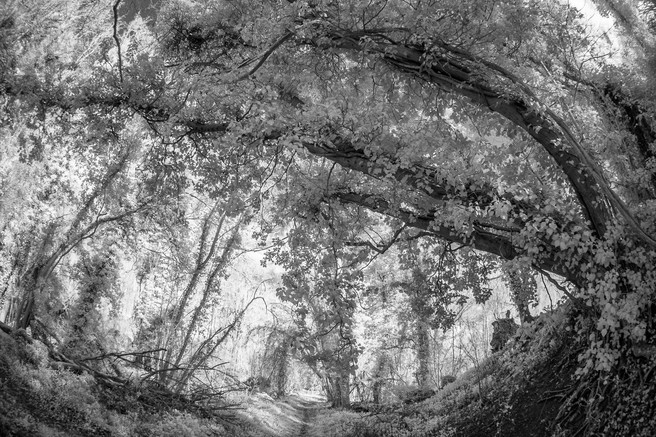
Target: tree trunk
x,y
343,390
521,293
281,364
329,388
25,312
338,389
12,310
30,285
203,258
33,282
376,388
423,354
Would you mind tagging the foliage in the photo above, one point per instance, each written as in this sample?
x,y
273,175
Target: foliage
x,y
501,394
442,130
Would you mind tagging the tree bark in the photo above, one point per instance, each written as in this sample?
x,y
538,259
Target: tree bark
x,y
423,354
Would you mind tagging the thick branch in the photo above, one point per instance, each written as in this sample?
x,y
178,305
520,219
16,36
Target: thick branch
x,y
423,180
263,57
461,74
380,248
476,238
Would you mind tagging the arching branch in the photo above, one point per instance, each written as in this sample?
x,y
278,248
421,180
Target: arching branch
x,y
461,73
476,237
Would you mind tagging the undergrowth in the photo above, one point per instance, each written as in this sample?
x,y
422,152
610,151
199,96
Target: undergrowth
x,y
40,399
516,392
530,388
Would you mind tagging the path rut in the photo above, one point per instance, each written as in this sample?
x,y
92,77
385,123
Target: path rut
x,y
308,409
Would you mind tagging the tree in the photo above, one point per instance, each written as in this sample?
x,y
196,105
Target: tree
x,y
57,242
324,337
513,128
276,360
439,283
501,82
97,275
173,322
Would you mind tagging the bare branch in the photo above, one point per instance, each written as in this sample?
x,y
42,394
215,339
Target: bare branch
x,y
380,248
118,42
479,239
263,57
121,355
565,291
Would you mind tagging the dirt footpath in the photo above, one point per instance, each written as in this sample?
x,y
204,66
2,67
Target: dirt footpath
x,y
307,407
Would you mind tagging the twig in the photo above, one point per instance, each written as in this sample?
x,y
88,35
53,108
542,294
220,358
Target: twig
x,y
381,248
263,57
573,298
118,42
121,354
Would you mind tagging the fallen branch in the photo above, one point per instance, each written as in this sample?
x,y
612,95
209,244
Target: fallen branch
x,y
6,328
122,355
